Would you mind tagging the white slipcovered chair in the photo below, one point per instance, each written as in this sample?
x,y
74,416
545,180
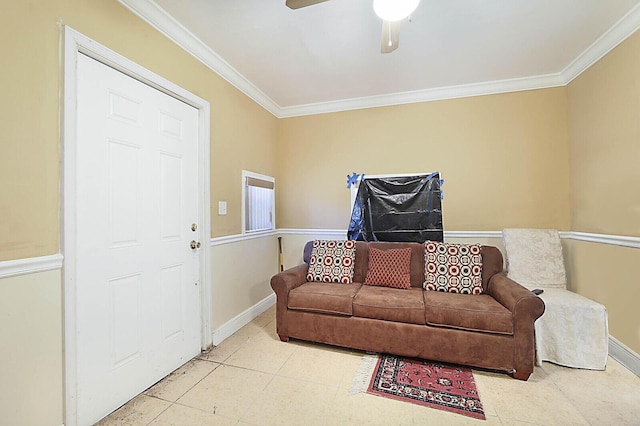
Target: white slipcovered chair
x,y
573,330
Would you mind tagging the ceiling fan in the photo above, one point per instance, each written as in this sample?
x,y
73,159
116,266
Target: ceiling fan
x,y
391,12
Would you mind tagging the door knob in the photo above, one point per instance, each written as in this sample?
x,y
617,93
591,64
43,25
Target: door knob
x,y
194,245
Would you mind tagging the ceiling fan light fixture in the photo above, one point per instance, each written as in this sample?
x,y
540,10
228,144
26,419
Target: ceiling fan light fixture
x,y
394,10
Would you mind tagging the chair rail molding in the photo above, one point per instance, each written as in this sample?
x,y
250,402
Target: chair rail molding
x,y
614,240
31,265
342,233
324,233
235,238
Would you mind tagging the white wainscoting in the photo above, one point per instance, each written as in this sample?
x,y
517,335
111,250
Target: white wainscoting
x,y
242,319
241,269
293,255
621,353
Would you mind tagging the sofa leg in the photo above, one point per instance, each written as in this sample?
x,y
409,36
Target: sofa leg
x,y
283,338
521,375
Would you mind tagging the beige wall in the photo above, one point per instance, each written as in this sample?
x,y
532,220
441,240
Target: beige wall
x,y
604,123
604,126
30,148
243,136
504,158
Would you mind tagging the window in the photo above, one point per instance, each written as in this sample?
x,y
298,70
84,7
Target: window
x,y
258,202
355,179
396,208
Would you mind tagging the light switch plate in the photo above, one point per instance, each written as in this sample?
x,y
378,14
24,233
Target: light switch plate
x,y
222,208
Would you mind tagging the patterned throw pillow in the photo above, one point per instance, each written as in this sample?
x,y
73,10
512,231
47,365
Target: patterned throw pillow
x,y
332,261
453,268
389,268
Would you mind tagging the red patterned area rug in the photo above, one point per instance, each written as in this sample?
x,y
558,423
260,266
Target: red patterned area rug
x,y
433,384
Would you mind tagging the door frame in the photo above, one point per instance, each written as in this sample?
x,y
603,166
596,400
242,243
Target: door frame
x,y
74,44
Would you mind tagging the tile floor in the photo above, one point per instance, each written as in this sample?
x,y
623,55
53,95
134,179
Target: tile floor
x,y
254,379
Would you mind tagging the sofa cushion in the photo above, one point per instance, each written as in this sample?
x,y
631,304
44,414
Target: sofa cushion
x,y
390,304
481,313
453,268
417,258
389,268
332,261
329,298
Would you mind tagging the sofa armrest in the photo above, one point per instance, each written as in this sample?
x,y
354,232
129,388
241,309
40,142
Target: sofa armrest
x,y
515,297
286,281
282,283
526,308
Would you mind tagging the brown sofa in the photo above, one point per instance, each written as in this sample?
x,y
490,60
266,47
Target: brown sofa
x,y
493,330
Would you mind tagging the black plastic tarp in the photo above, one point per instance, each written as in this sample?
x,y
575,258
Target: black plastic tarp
x,y
407,209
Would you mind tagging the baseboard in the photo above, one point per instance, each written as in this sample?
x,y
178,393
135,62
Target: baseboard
x,y
239,321
624,355
31,265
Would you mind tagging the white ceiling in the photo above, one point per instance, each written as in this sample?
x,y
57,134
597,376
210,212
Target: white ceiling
x,y
327,56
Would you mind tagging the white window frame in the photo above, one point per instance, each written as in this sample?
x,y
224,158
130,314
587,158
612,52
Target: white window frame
x,y
245,175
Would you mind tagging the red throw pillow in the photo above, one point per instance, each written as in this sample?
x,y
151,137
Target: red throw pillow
x,y
389,268
332,261
453,268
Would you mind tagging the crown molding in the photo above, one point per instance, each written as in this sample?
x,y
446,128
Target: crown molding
x,y
159,19
619,32
435,94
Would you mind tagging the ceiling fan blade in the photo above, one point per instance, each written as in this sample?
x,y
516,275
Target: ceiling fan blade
x,y
390,36
297,4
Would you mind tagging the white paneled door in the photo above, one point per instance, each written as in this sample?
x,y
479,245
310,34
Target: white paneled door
x,y
137,276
